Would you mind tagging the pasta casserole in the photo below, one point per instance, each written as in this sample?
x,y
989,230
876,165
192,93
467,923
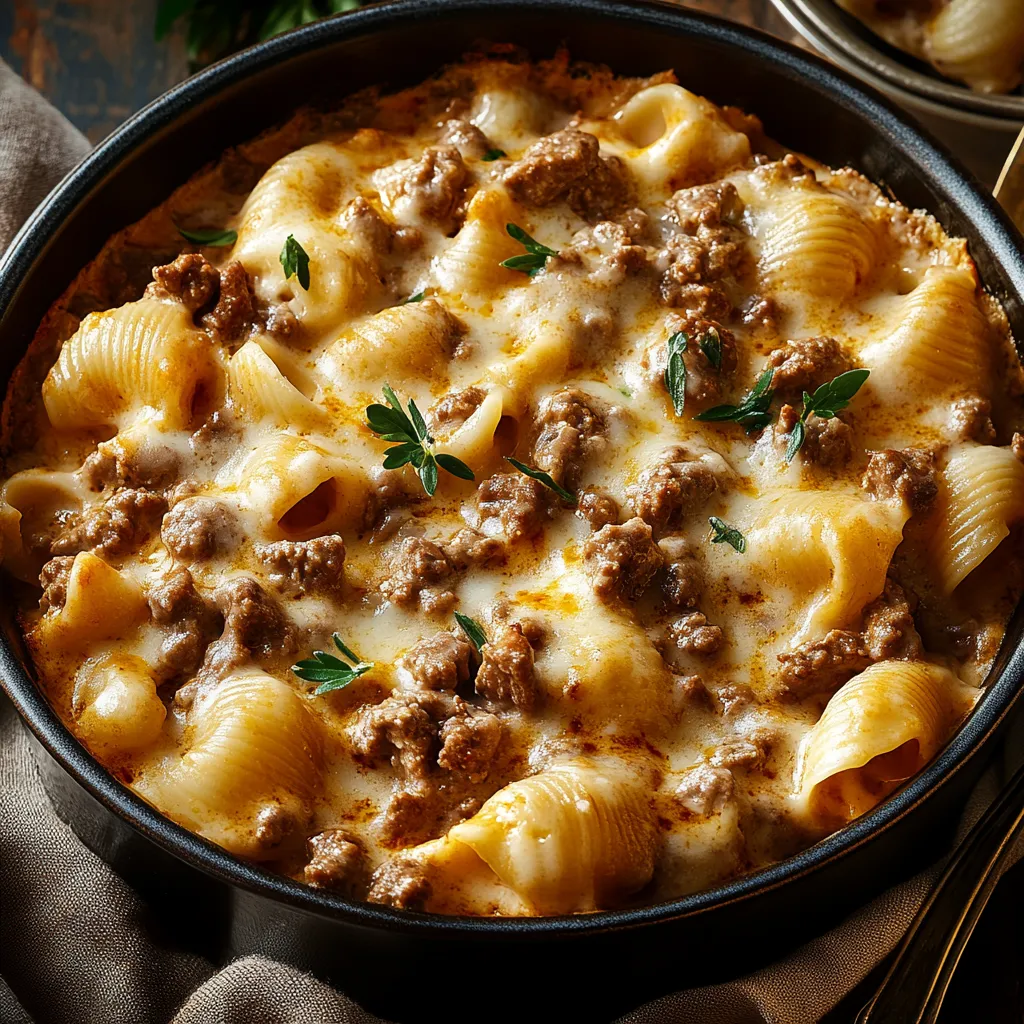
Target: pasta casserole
x,y
532,492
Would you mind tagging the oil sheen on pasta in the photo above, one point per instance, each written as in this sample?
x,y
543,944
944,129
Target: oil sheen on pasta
x,y
191,480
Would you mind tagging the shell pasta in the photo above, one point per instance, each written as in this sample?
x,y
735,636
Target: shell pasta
x,y
546,494
977,42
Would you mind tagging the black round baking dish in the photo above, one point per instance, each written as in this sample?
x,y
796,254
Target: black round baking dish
x,y
590,966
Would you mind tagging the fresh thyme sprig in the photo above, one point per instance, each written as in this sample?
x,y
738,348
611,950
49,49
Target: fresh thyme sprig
x,y
533,259
723,533
675,370
493,154
415,444
418,297
567,496
472,629
295,261
330,672
711,345
752,412
826,401
215,237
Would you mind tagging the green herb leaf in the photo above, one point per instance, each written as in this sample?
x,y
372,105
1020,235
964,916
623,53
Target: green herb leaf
x,y
472,629
796,439
418,297
723,533
828,400
295,261
536,254
493,154
395,458
455,466
413,442
567,496
330,672
213,237
428,474
711,345
675,370
836,395
752,412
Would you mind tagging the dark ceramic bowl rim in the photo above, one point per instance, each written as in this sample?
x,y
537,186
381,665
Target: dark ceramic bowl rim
x,y
216,862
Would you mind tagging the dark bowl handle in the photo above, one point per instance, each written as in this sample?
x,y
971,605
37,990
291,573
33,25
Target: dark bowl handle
x,y
913,989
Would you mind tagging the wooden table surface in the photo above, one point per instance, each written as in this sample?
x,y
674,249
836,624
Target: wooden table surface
x,y
98,62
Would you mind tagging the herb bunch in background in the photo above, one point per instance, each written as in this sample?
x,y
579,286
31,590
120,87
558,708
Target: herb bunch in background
x,y
215,28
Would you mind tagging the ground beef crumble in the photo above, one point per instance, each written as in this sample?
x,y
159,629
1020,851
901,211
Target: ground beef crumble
x,y
306,567
693,634
622,560
119,526
908,474
506,671
54,581
674,485
189,624
516,501
197,528
255,628
549,166
418,568
803,364
438,662
402,883
570,432
337,861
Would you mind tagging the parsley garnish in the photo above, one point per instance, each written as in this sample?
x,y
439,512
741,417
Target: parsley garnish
x,y
416,445
711,346
535,257
472,629
330,672
826,401
493,154
213,237
418,297
545,479
724,533
675,370
752,412
294,260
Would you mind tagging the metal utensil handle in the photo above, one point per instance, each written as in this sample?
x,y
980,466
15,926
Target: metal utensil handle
x,y
913,990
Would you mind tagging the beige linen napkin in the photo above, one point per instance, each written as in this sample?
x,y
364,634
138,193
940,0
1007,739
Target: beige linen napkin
x,y
76,944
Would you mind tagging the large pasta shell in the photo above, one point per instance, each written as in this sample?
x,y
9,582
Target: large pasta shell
x,y
982,495
980,42
831,549
578,836
937,340
260,391
674,138
817,244
253,746
470,268
878,729
145,353
400,343
298,488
